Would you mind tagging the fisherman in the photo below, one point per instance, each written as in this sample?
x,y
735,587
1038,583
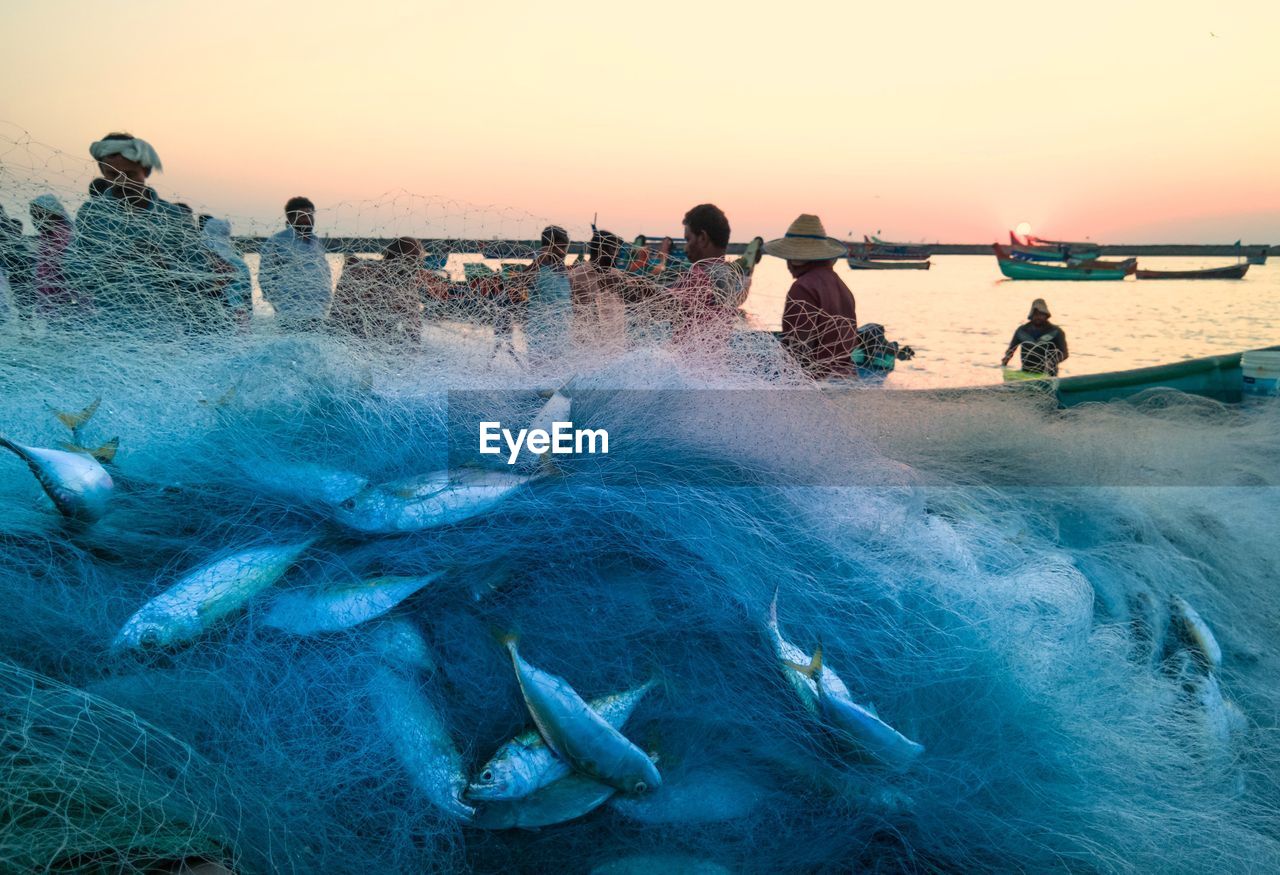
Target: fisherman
x,y
596,288
294,272
234,286
703,303
380,298
16,261
543,289
54,231
819,318
136,254
1043,345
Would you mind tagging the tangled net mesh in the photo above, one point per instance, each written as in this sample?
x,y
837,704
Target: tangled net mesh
x,y
994,576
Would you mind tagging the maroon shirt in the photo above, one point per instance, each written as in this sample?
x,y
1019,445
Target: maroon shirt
x,y
819,324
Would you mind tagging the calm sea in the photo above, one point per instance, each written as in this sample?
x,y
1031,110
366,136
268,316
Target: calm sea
x,y
960,315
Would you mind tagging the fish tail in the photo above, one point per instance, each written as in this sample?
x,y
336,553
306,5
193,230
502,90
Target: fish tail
x,y
15,448
813,669
104,453
72,420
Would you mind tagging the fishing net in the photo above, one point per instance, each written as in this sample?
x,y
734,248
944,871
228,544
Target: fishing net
x,y
992,577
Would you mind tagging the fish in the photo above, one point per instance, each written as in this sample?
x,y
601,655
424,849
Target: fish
x,y
567,799
421,741
579,735
860,724
308,611
1196,632
305,482
525,764
202,598
399,643
438,499
790,656
823,693
77,483
557,408
703,796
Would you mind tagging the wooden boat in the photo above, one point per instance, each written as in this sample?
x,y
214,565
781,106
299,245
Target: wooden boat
x,y
1035,249
1018,269
857,262
875,248
1230,272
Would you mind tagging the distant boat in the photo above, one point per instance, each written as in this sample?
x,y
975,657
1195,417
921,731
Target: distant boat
x,y
1230,272
857,262
1036,249
1021,269
876,249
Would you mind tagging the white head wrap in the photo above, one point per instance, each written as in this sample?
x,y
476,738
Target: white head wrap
x,y
134,149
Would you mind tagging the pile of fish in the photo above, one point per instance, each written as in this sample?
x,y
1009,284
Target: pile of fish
x,y
575,756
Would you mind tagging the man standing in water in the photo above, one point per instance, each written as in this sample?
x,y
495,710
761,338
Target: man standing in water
x,y
1043,344
294,272
819,318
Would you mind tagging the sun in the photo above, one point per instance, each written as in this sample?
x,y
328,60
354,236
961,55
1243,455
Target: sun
x,y
1023,230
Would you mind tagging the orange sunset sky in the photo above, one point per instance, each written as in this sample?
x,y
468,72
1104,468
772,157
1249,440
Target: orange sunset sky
x,y
1119,121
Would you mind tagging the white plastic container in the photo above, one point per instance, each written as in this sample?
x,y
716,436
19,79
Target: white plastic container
x,y
1261,369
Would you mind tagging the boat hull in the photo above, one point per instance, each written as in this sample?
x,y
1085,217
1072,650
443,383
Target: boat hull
x,y
877,264
1015,269
1230,272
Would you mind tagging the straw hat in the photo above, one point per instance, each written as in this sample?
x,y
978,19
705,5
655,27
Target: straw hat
x,y
1038,304
806,240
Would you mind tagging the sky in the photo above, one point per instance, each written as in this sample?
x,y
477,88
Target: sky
x,y
1118,122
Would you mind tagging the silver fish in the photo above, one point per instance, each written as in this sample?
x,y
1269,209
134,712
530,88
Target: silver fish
x,y
421,741
557,408
578,734
79,486
399,643
566,799
790,656
437,499
309,611
205,596
306,482
525,763
835,705
1193,629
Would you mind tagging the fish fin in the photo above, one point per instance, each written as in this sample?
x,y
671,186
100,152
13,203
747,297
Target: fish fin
x,y
73,421
507,638
871,709
104,453
406,493
813,669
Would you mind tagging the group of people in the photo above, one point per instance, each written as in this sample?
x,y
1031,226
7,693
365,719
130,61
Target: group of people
x,y
131,259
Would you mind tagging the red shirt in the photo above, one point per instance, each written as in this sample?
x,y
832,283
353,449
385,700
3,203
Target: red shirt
x,y
819,323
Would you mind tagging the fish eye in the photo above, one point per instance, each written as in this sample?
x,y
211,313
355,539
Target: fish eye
x,y
149,639
486,775
640,787
349,504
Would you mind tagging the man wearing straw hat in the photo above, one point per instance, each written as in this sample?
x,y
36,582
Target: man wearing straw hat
x,y
1043,344
819,322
